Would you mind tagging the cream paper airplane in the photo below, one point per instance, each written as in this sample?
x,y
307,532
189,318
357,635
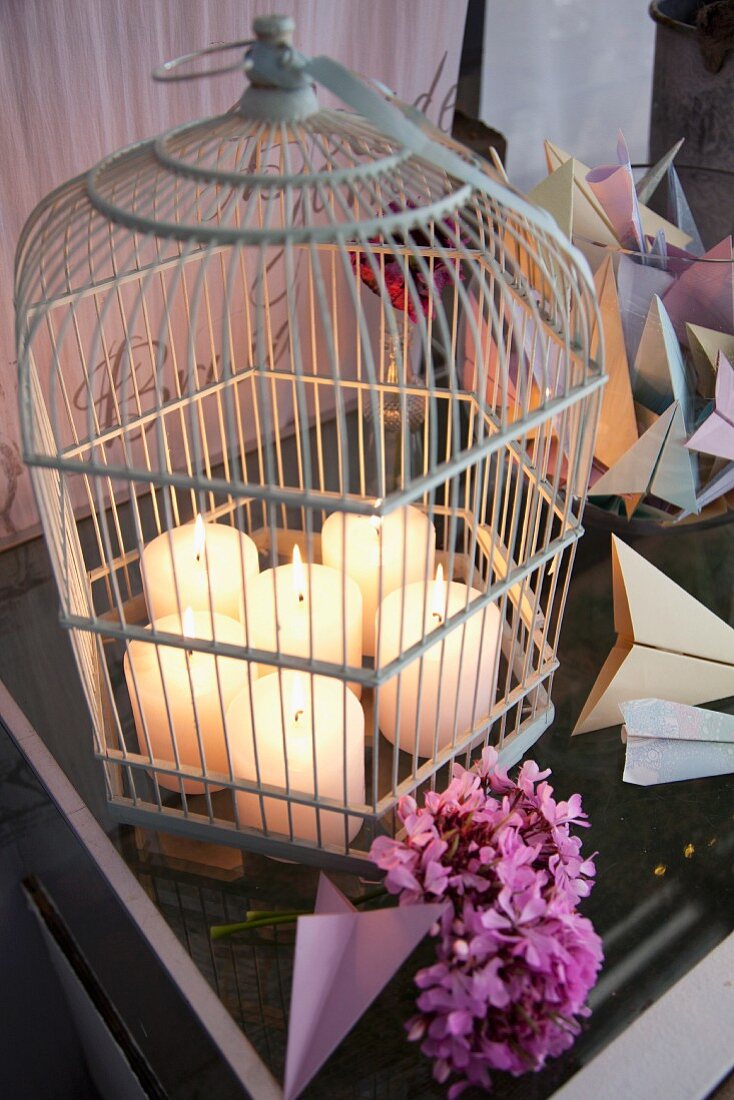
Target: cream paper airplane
x,y
675,477
658,464
555,194
659,373
652,223
704,345
617,423
591,226
716,434
668,645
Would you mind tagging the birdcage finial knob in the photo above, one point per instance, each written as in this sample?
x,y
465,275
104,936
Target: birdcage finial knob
x,y
276,30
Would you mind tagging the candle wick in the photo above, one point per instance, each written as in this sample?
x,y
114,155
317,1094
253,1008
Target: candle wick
x,y
437,616
299,716
198,556
301,597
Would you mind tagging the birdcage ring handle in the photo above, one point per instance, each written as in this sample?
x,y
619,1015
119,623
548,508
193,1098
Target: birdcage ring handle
x,y
168,71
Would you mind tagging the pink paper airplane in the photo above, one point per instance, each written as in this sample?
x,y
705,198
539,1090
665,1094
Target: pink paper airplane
x,y
614,187
343,959
703,295
716,434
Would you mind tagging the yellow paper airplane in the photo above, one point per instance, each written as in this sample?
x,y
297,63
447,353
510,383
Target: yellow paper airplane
x,y
555,194
705,345
668,645
651,222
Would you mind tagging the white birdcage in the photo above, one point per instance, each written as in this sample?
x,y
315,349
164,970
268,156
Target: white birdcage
x,y
308,402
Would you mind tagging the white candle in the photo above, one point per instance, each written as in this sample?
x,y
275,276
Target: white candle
x,y
288,713
380,555
183,691
198,558
463,674
291,606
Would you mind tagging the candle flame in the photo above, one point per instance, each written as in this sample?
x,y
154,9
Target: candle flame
x,y
299,575
438,596
298,700
199,536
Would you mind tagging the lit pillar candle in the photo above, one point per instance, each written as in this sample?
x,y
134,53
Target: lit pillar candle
x,y
372,551
288,714
175,689
291,606
198,558
464,677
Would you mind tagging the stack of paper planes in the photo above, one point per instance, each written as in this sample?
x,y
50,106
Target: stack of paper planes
x,y
668,645
667,742
665,447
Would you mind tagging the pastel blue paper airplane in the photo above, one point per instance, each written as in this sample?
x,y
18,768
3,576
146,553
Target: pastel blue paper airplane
x,y
659,373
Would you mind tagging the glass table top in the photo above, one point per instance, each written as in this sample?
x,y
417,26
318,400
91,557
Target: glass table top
x,y
664,894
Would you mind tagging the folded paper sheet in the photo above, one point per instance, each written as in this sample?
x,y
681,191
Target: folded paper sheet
x,y
343,960
668,742
668,644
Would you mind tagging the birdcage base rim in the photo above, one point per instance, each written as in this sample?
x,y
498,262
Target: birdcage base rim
x,y
126,812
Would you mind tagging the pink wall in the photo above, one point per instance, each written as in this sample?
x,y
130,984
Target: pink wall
x,y
74,84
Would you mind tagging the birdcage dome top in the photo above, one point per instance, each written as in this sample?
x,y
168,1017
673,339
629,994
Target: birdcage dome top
x,y
234,178
277,169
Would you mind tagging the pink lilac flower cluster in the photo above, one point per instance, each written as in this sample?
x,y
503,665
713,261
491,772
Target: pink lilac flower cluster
x,y
515,959
369,269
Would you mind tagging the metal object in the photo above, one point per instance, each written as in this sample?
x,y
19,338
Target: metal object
x,y
202,324
691,102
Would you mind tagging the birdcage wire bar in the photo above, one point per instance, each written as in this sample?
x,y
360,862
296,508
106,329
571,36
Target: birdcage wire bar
x,y
206,328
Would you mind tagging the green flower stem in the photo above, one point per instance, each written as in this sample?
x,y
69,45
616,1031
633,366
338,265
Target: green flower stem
x,y
266,918
263,920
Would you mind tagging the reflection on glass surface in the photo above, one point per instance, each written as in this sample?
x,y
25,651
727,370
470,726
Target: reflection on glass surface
x,y
665,886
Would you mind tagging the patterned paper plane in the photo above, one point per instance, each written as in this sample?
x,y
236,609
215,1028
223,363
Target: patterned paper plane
x,y
668,645
668,742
